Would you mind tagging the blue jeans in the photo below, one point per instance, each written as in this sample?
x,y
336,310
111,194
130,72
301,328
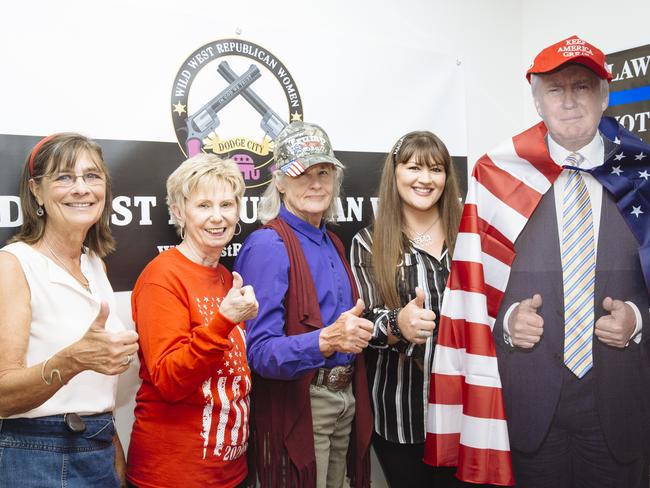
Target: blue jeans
x,y
43,453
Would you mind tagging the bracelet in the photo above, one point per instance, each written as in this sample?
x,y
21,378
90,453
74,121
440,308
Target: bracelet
x,y
392,323
53,371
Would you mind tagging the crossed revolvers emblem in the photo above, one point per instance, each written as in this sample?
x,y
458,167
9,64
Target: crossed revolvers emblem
x,y
205,120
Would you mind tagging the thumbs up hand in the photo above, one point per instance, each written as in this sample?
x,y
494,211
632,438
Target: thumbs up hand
x,y
616,328
350,332
525,325
237,281
240,303
99,324
415,322
101,350
358,308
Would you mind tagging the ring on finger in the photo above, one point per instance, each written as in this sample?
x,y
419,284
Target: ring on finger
x,y
127,360
423,333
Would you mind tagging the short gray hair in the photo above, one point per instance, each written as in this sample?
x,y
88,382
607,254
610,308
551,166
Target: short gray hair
x,y
269,207
185,180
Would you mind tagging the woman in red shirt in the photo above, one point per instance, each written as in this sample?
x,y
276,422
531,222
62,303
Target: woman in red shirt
x,y
191,415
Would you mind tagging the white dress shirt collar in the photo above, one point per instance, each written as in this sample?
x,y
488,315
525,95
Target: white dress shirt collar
x,y
593,153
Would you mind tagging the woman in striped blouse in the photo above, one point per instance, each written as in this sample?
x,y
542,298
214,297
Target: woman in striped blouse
x,y
401,277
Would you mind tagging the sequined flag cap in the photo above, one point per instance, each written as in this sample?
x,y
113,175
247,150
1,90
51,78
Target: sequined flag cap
x,y
301,145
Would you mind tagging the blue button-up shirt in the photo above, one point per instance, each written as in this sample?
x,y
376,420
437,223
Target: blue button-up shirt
x,y
263,263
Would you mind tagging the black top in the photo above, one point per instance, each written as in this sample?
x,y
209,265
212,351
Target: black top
x,y
398,375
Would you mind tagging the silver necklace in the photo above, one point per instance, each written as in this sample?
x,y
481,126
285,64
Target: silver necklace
x,y
86,285
422,239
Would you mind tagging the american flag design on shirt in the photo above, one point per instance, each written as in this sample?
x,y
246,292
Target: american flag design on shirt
x,y
224,425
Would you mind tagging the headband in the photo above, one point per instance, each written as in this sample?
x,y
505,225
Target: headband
x,y
398,146
34,152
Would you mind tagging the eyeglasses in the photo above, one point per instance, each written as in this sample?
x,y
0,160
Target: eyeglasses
x,y
67,180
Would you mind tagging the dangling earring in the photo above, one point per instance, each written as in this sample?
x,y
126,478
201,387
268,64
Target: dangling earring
x,y
182,233
39,211
237,232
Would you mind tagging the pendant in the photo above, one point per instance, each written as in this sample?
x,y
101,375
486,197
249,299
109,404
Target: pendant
x,y
422,240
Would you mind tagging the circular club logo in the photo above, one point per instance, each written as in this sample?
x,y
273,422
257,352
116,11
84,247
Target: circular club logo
x,y
232,97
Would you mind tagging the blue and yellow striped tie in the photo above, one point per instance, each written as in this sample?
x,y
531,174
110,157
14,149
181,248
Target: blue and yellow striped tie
x,y
578,271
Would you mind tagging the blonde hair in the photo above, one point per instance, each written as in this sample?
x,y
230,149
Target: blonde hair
x,y
388,241
200,170
58,153
269,207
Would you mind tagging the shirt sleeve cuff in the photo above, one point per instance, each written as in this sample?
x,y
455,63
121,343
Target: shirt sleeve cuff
x,y
221,325
379,339
636,335
506,332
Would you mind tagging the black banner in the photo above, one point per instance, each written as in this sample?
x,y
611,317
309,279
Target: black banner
x,y
140,220
629,97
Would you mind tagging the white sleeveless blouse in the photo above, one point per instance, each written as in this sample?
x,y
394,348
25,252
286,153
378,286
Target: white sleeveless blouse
x,y
62,310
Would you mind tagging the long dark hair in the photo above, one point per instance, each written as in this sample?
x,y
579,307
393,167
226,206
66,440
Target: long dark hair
x,y
388,241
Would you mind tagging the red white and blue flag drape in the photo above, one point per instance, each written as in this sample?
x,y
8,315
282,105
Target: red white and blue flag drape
x,y
466,421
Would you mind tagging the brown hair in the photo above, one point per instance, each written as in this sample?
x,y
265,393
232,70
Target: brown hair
x,y
388,240
60,152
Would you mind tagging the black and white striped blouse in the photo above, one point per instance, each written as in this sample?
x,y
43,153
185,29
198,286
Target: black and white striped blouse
x,y
398,375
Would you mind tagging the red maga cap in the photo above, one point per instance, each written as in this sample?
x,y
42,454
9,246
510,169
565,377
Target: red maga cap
x,y
570,50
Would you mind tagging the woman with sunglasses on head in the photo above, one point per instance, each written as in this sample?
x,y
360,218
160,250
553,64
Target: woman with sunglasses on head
x,y
401,264
61,343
